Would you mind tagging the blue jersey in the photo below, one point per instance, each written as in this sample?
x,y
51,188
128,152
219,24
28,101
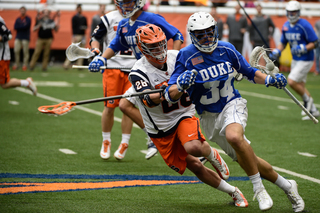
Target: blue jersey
x,y
299,33
126,31
213,87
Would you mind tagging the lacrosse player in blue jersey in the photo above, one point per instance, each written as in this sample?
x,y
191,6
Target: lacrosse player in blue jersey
x,y
223,112
302,39
134,17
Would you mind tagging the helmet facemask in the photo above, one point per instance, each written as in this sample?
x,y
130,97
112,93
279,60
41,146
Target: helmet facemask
x,y
129,7
293,11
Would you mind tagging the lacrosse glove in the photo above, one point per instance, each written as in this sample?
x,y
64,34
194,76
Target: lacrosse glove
x,y
96,51
96,63
275,54
186,79
279,81
299,50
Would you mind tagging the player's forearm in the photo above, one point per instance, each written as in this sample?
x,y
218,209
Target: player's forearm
x,y
259,77
177,45
95,44
109,53
310,46
174,92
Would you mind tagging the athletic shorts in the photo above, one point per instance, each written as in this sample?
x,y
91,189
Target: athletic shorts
x,y
299,70
115,82
133,99
4,71
214,124
171,147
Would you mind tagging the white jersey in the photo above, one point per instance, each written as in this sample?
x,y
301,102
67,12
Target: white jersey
x,y
162,119
4,46
106,31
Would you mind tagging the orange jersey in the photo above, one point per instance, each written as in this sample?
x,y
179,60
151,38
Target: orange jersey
x,y
171,147
4,71
115,82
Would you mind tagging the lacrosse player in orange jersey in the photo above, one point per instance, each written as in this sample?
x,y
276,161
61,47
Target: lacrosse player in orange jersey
x,y
5,81
173,128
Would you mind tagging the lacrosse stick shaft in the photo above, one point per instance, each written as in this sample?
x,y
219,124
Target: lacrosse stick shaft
x,y
101,68
118,97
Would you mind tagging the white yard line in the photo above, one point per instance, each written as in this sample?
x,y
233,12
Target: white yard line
x,y
49,98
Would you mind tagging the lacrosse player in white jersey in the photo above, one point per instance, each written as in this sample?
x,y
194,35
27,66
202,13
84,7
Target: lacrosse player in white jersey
x,y
301,37
115,82
223,112
134,17
173,127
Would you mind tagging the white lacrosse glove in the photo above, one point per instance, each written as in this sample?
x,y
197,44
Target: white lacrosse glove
x,y
96,63
186,79
279,81
299,49
275,54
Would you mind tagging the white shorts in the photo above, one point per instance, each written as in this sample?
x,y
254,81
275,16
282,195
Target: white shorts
x,y
133,100
214,124
299,70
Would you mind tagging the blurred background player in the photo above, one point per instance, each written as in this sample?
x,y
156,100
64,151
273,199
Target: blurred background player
x,y
174,129
301,37
265,26
5,81
134,17
223,112
96,18
22,25
79,27
115,82
317,54
45,26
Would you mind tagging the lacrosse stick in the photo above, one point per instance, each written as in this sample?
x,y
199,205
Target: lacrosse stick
x,y
101,68
65,107
260,60
74,52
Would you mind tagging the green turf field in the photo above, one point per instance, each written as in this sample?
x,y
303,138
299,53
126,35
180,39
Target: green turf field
x,y
30,156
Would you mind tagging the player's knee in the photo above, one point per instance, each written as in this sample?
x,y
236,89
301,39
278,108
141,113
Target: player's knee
x,y
291,82
124,105
193,148
235,140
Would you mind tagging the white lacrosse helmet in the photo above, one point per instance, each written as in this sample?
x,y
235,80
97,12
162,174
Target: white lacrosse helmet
x,y
203,31
129,7
293,11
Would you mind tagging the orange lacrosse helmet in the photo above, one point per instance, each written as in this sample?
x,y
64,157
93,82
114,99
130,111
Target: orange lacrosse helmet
x,y
152,42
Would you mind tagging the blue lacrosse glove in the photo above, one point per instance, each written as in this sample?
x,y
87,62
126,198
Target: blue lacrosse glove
x,y
96,63
275,54
186,79
279,81
299,50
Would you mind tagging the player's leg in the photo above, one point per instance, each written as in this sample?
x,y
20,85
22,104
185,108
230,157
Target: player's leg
x,y
46,54
127,106
25,48
16,49
36,53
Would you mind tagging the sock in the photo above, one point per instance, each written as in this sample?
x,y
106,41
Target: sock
x,y
145,130
125,138
211,157
313,108
24,83
256,181
106,136
283,183
305,97
226,187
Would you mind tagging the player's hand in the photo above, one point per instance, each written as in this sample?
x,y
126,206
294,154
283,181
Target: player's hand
x,y
163,87
95,51
299,49
275,54
186,79
279,81
96,63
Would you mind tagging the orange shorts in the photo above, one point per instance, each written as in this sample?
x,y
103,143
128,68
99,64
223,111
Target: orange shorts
x,y
4,71
171,147
115,82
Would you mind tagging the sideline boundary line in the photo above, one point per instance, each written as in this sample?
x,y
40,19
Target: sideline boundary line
x,y
49,98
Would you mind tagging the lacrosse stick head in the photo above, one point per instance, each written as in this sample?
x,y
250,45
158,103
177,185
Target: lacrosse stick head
x,y
259,59
74,52
58,109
